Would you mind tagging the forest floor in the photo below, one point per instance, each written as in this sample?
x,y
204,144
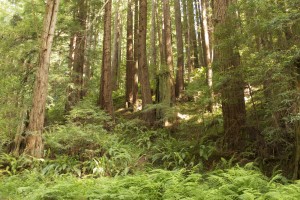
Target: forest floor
x,y
88,156
233,183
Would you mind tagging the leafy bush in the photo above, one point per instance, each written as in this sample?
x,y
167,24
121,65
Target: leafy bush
x,y
75,140
86,113
10,165
83,135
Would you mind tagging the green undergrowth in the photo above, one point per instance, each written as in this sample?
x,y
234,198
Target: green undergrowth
x,y
90,156
234,183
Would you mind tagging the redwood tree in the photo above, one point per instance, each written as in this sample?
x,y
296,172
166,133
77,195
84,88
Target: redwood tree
x,y
153,61
187,42
167,91
193,38
77,57
227,61
180,56
116,47
206,48
105,97
136,55
142,60
34,142
129,58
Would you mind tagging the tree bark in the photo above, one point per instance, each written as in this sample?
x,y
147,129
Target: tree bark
x,y
180,55
193,39
186,39
153,61
142,55
169,70
198,31
227,60
89,34
34,143
116,47
129,58
105,97
161,50
160,36
77,48
206,50
136,55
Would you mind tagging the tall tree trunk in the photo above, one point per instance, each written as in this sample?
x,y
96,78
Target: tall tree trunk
x,y
180,56
193,39
187,39
228,62
153,61
89,34
116,47
206,50
142,55
167,76
105,97
120,53
161,50
70,93
136,55
163,39
198,31
78,46
34,142
129,58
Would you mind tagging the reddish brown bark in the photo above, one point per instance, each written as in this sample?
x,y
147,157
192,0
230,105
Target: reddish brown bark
x,y
129,57
105,98
116,47
193,38
180,55
77,57
153,61
186,39
142,55
169,95
34,142
227,60
136,55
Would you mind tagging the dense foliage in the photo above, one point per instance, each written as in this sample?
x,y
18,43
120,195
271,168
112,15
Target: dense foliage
x,y
186,150
234,183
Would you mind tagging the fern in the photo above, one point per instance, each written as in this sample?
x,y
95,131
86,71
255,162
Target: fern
x,y
233,183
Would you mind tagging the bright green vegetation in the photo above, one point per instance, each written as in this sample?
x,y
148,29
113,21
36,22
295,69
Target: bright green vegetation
x,y
131,161
185,151
235,183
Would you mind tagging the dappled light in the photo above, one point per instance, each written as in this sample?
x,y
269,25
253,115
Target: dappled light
x,y
149,99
